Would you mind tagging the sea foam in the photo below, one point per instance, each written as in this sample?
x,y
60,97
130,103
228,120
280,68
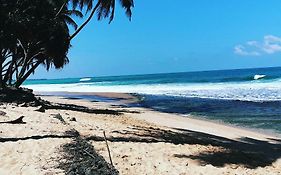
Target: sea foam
x,y
85,79
257,77
245,91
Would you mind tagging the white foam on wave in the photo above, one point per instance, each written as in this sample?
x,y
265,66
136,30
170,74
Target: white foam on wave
x,y
257,77
85,79
250,91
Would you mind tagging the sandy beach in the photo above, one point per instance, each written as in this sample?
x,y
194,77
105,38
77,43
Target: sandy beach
x,y
131,87
141,141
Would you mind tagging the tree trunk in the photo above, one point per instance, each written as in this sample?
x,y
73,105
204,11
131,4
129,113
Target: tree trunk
x,y
1,69
9,72
19,81
86,22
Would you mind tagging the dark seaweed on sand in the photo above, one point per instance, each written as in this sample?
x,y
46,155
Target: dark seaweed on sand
x,y
81,158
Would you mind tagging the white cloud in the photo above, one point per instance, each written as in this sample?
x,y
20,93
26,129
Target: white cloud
x,y
241,50
269,45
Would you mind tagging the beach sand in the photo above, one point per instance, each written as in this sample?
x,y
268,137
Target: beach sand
x,y
141,141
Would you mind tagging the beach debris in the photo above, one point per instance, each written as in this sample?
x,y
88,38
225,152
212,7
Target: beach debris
x,y
73,119
107,148
23,105
40,109
16,121
89,154
59,117
124,156
2,113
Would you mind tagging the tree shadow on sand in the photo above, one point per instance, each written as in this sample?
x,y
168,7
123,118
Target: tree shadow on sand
x,y
78,108
247,152
35,137
78,156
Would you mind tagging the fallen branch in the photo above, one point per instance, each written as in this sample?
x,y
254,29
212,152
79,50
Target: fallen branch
x,y
17,121
90,154
107,148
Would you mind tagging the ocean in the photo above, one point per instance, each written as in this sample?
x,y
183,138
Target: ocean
x,y
243,97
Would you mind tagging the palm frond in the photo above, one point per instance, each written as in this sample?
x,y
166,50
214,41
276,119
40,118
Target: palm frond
x,y
70,21
76,13
127,5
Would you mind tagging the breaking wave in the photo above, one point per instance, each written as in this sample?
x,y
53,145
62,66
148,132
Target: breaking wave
x,y
245,91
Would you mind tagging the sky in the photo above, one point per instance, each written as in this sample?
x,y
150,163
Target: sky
x,y
177,36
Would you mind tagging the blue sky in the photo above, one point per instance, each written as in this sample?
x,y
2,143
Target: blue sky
x,y
178,36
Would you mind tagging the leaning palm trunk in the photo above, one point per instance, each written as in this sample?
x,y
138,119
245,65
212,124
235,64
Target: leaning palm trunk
x,y
86,22
8,76
20,80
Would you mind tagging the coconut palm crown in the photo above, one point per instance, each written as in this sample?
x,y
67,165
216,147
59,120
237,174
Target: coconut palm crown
x,y
37,32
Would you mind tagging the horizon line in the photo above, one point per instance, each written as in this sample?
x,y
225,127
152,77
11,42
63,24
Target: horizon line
x,y
104,76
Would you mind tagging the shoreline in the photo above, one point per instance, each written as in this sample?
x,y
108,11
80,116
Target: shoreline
x,y
127,98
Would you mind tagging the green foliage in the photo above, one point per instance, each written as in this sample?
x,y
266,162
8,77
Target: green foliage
x,y
36,32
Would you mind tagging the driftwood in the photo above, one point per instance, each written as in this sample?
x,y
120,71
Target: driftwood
x,y
17,121
90,154
107,148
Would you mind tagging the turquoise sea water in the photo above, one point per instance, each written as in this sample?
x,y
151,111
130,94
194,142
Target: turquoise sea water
x,y
245,97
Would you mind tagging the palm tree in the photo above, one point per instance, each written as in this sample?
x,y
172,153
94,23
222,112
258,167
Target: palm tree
x,y
66,14
34,35
37,33
52,43
104,9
